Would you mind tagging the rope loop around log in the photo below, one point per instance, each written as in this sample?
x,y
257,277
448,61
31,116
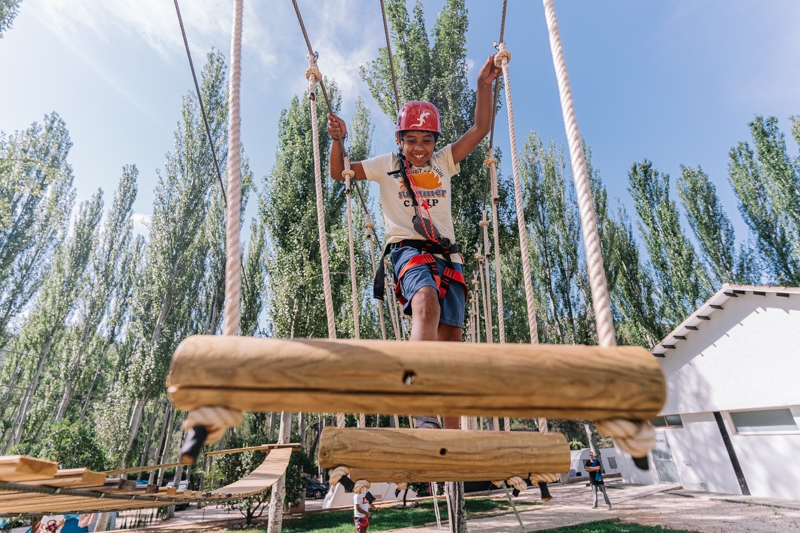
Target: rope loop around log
x,y
338,473
517,482
216,419
546,478
635,437
361,486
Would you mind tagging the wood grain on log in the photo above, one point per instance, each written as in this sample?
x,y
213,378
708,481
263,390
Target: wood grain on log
x,y
520,380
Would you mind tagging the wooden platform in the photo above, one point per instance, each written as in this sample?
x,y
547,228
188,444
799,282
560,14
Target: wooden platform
x,y
99,493
518,380
411,455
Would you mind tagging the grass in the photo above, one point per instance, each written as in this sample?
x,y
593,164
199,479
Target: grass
x,y
611,526
390,518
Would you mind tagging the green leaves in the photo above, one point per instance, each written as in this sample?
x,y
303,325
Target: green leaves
x,y
8,11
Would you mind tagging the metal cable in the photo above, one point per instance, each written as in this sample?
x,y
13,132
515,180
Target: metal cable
x,y
202,107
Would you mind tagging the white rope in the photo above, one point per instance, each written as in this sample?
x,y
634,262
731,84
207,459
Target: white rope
x,y
501,59
517,482
634,437
546,478
476,305
487,299
340,420
337,473
361,486
591,236
543,425
217,419
313,75
233,253
348,175
362,420
370,233
434,490
491,162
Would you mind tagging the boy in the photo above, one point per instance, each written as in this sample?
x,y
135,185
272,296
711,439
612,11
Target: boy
x,y
361,511
416,197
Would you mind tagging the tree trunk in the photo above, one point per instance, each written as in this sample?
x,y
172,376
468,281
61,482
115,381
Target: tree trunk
x,y
165,451
23,412
136,419
456,511
272,420
146,447
276,503
88,398
301,427
589,427
152,477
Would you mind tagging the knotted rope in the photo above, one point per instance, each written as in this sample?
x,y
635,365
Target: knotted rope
x,y
491,163
348,174
543,478
635,437
313,75
501,59
517,482
216,419
483,263
370,227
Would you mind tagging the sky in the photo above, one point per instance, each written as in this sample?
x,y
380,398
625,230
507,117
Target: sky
x,y
672,81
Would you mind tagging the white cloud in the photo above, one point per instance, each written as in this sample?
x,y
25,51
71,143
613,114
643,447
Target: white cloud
x,y
141,224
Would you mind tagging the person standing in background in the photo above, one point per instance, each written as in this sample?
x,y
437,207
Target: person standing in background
x,y
594,468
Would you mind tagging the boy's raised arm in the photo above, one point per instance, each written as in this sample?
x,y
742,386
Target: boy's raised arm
x,y
337,128
483,112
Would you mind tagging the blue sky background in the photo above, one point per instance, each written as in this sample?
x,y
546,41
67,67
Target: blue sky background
x,y
672,81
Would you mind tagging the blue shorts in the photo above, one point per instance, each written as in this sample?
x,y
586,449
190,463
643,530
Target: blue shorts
x,y
452,305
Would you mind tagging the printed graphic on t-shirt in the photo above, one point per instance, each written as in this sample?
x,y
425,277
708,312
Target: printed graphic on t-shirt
x,y
429,184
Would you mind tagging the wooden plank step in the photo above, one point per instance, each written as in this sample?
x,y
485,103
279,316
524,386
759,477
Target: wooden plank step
x,y
519,380
14,468
73,478
411,455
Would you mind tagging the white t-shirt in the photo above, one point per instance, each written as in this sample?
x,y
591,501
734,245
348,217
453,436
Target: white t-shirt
x,y
360,503
434,184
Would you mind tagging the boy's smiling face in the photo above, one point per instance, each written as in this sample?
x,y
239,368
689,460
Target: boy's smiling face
x,y
417,146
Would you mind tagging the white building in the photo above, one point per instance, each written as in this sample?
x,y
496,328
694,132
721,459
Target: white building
x,y
731,423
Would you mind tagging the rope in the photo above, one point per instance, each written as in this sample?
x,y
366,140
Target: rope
x,y
216,419
508,495
314,76
501,59
202,107
348,174
337,473
233,253
391,61
362,420
591,236
636,437
370,230
491,164
361,486
483,263
434,490
517,482
340,420
546,478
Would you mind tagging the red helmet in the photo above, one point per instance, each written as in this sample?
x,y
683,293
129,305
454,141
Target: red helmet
x,y
419,116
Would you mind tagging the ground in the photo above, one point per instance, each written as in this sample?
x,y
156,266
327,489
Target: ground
x,y
637,509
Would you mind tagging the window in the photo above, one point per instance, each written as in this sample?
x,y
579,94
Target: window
x,y
669,421
766,421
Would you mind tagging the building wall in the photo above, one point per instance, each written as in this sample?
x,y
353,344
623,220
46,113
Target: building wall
x,y
745,357
770,462
699,454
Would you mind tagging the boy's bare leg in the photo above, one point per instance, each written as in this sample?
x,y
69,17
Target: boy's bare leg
x,y
425,310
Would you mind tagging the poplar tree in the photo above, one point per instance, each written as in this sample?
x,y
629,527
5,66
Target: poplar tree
x,y
767,184
681,280
36,199
99,287
44,328
713,229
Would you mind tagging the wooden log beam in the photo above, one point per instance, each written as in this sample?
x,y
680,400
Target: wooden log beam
x,y
14,468
397,455
519,380
261,447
